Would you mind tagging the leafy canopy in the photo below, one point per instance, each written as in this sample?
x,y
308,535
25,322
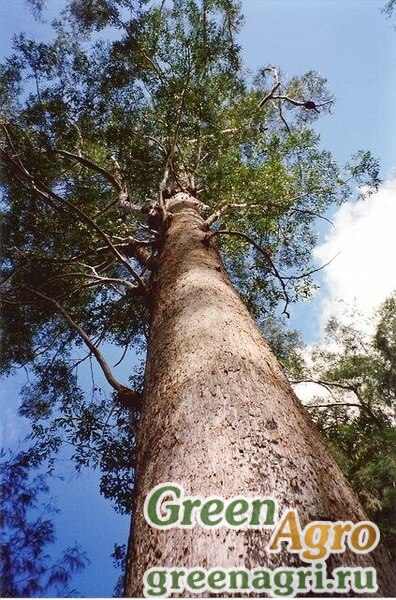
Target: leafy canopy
x,y
131,102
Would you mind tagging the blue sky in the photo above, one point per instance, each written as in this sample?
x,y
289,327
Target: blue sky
x,y
352,44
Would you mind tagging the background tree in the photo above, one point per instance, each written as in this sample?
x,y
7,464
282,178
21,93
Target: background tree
x,y
138,119
389,8
357,421
26,529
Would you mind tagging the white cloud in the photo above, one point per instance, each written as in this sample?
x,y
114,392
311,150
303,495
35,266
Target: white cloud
x,y
11,429
306,391
362,275
364,272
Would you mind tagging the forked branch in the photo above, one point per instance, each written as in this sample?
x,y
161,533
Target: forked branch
x,y
307,104
343,386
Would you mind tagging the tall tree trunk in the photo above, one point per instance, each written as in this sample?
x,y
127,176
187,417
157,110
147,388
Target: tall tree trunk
x,y
220,418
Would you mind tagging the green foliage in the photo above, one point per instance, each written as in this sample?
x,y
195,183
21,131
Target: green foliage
x,y
389,8
130,101
100,431
25,532
358,421
37,7
119,560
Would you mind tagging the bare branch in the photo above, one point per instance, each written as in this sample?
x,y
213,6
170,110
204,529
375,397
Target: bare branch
x,y
354,404
312,213
171,153
343,386
114,314
124,352
158,143
279,107
157,70
269,96
96,278
13,148
94,167
122,198
98,355
308,104
229,207
10,275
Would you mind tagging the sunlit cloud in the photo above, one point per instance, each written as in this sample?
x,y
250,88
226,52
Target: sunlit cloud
x,y
363,273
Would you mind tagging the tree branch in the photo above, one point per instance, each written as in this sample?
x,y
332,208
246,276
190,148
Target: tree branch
x,y
94,277
308,104
94,167
343,386
263,251
311,213
354,404
307,273
278,105
269,96
124,394
171,153
156,69
229,207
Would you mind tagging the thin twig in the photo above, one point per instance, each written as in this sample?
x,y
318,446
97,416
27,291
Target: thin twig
x,y
303,275
279,107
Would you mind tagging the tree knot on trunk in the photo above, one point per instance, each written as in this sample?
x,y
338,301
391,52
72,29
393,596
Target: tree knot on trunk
x,y
129,398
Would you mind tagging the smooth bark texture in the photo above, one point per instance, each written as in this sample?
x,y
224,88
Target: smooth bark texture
x,y
220,418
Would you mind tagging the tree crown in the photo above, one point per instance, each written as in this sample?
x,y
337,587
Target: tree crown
x,y
131,102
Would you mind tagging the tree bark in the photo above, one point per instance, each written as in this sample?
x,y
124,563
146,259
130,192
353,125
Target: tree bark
x,y
220,418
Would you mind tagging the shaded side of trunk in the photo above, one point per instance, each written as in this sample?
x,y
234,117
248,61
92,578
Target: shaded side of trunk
x,y
220,418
